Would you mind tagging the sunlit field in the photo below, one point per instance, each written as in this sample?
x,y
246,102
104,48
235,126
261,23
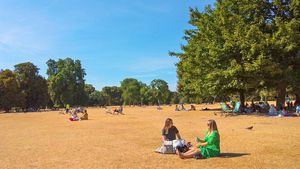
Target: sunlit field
x,y
50,140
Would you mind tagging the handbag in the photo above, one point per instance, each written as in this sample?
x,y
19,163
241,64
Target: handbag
x,y
178,143
170,147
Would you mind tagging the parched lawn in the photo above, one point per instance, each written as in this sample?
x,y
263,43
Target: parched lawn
x,y
50,140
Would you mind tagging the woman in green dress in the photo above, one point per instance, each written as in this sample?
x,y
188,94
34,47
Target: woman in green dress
x,y
209,147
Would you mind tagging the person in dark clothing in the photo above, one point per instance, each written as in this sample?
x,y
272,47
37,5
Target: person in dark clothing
x,y
169,132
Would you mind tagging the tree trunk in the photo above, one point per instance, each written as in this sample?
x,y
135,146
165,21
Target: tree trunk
x,y
281,92
242,98
297,100
6,110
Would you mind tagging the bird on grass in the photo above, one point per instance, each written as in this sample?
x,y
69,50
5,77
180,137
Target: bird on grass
x,y
250,128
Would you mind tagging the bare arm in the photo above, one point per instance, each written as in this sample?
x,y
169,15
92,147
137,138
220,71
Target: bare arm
x,y
178,136
201,144
164,138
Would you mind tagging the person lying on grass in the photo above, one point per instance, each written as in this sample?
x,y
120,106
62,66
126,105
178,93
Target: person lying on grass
x,y
118,110
169,132
207,148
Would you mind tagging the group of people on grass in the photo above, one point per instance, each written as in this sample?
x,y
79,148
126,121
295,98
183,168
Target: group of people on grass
x,y
182,108
291,109
74,113
116,111
207,148
282,111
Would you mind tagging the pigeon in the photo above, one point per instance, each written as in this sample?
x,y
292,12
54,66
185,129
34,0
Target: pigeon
x,y
250,128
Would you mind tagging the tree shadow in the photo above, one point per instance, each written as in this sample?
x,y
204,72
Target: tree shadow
x,y
208,109
233,155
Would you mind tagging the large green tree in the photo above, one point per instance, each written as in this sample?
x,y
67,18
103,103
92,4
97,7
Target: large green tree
x,y
112,95
232,49
283,47
145,93
96,98
160,91
89,89
33,85
131,91
10,92
66,82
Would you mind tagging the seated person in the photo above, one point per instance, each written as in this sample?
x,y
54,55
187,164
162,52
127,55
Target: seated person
x,y
193,108
232,104
209,147
182,107
74,116
159,108
176,108
284,112
298,110
119,110
228,105
169,132
85,116
272,111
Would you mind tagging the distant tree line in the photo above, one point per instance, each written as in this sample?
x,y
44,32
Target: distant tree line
x,y
247,48
132,92
25,90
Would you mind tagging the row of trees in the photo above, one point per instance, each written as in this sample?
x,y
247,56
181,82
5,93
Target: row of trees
x,y
25,89
242,47
132,92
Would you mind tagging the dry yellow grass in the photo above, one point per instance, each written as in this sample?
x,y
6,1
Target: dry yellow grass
x,y
50,140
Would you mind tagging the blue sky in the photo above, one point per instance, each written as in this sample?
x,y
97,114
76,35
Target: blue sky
x,y
113,39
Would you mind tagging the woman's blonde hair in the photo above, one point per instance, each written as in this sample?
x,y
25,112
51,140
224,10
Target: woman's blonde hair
x,y
212,125
168,124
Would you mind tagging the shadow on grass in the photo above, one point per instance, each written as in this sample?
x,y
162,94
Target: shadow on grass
x,y
219,113
233,155
28,112
210,109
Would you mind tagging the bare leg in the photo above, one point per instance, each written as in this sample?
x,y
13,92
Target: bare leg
x,y
189,151
189,154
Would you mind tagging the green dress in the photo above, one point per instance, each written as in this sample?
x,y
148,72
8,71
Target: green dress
x,y
213,145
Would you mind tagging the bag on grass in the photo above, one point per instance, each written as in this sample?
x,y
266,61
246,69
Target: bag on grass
x,y
169,147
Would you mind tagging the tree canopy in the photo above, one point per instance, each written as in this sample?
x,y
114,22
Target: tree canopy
x,y
66,82
238,47
32,85
131,91
10,92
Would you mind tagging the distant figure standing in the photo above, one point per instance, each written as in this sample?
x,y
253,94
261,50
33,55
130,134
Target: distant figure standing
x,y
67,108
